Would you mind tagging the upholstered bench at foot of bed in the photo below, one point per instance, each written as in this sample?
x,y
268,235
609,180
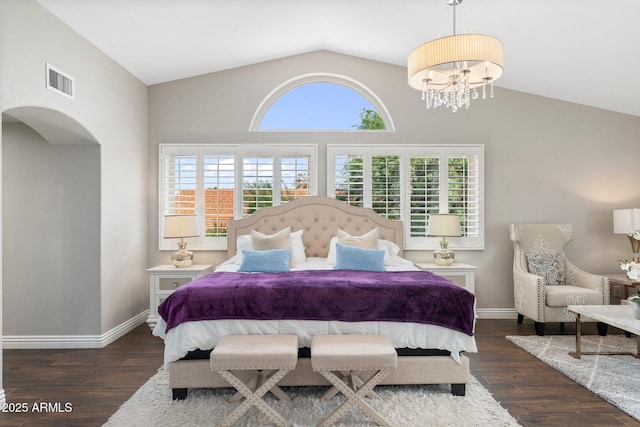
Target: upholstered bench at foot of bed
x,y
268,357
341,358
197,373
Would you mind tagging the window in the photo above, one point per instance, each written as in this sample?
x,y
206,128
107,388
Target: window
x,y
219,194
321,102
410,182
349,179
319,106
257,183
218,183
385,186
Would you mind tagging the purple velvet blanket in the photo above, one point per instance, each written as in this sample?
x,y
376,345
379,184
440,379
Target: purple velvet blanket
x,y
350,296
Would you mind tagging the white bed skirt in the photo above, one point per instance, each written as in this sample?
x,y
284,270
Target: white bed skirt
x,y
204,335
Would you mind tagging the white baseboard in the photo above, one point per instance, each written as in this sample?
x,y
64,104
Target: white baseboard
x,y
496,313
23,342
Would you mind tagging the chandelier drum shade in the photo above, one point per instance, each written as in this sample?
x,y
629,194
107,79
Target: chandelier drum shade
x,y
479,58
449,70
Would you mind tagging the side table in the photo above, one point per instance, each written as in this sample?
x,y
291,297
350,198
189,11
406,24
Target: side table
x,y
622,279
459,273
164,280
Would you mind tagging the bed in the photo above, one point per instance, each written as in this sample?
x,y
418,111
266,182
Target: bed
x,y
429,352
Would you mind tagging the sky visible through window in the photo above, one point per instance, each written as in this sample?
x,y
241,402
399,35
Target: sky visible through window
x,y
316,106
310,106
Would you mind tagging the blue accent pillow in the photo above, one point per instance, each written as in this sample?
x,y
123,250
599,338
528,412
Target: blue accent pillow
x,y
267,261
354,258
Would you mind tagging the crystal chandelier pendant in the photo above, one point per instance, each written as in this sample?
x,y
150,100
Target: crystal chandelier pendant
x,y
449,70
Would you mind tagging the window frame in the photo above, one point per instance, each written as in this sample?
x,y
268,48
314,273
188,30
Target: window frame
x,y
406,152
301,80
239,152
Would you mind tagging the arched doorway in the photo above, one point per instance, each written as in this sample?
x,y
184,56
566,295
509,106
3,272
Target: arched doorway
x,y
51,227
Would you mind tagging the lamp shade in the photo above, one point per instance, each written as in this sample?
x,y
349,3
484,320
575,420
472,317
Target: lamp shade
x,y
626,221
432,62
179,226
444,225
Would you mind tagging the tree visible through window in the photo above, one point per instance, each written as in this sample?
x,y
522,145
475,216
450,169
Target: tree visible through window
x,y
412,182
370,120
219,183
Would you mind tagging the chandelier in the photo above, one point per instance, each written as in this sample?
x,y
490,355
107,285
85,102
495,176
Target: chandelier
x,y
450,70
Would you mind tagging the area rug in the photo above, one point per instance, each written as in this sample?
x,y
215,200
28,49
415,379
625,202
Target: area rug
x,y
404,406
614,378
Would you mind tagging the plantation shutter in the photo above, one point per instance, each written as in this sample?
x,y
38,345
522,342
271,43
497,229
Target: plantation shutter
x,y
179,184
385,186
464,192
424,192
219,183
295,177
411,182
257,183
348,183
219,193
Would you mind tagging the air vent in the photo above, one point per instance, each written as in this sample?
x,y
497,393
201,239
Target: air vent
x,y
59,82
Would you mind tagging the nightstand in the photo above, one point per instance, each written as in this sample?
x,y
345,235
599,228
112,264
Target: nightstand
x,y
164,279
458,273
621,280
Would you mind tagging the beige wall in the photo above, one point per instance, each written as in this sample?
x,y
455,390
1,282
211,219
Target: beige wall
x,y
545,160
110,113
51,235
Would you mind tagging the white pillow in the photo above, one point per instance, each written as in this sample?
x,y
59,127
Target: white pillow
x,y
391,251
368,240
331,258
242,242
279,240
297,247
389,247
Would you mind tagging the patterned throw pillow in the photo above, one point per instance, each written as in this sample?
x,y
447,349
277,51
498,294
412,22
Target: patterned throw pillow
x,y
549,266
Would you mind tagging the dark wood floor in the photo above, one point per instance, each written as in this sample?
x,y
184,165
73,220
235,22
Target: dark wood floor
x,y
95,382
533,392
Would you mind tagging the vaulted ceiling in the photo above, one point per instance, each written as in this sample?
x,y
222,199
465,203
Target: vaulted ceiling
x,y
582,51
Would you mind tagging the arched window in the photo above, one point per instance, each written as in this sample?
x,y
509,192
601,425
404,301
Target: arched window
x,y
321,102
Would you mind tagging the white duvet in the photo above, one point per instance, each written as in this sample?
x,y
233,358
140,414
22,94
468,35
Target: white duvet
x,y
205,334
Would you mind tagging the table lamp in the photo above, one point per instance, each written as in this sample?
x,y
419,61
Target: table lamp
x,y
443,225
179,227
627,221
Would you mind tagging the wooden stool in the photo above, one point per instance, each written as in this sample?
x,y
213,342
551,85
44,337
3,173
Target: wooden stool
x,y
274,354
352,354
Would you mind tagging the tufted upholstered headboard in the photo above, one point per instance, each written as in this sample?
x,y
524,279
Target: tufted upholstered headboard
x,y
319,217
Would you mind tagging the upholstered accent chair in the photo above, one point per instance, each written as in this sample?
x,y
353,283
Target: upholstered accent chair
x,y
545,282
